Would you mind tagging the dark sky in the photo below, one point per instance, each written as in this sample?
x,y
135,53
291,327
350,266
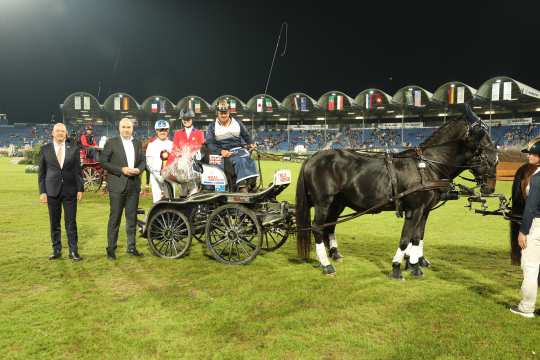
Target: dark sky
x,y
51,48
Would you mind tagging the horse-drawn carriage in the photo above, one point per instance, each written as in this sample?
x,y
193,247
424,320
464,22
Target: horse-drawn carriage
x,y
92,172
235,226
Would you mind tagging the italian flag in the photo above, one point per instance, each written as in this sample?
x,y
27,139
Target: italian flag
x,y
197,106
232,105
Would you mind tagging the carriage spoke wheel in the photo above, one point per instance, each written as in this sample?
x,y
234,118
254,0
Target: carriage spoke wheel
x,y
198,219
233,234
169,233
275,236
92,179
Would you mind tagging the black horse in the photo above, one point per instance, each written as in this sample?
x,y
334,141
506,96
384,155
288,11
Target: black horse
x,y
332,180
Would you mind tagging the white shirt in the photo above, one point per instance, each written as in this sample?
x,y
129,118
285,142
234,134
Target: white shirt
x,y
153,152
188,131
227,132
56,149
130,151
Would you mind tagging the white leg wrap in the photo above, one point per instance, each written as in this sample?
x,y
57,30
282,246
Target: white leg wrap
x,y
333,241
321,254
415,254
421,246
398,258
408,249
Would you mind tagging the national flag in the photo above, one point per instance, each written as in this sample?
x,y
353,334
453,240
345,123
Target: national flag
x,y
460,95
507,90
77,103
125,103
162,109
296,103
367,102
86,103
378,99
417,98
232,105
340,102
495,88
331,103
268,102
409,98
451,95
154,108
197,106
117,102
259,105
303,104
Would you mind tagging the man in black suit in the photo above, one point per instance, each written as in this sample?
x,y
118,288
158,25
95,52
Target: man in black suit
x,y
61,184
124,160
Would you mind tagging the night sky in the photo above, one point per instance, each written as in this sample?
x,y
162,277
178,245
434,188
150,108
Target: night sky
x,y
51,48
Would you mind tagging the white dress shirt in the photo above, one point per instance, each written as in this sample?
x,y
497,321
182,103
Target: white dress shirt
x,y
130,151
188,131
57,148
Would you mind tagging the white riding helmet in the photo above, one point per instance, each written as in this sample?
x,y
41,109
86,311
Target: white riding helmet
x,y
161,124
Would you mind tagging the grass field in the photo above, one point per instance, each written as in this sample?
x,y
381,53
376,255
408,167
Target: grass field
x,y
275,308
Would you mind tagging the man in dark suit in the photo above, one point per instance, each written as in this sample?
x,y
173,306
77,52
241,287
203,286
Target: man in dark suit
x,y
61,184
124,160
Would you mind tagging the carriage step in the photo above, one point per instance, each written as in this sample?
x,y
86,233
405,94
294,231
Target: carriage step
x,y
140,211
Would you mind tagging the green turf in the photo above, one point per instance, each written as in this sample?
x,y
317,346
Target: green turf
x,y
276,307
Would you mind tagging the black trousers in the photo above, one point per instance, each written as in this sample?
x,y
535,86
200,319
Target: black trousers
x,y
55,203
120,201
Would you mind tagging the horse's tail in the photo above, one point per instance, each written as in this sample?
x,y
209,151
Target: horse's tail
x,y
303,217
521,178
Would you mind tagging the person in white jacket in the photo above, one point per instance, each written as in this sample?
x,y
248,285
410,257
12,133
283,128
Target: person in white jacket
x,y
153,157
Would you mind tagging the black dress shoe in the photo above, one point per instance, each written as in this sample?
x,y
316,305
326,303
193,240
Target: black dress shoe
x,y
74,255
55,255
111,255
134,252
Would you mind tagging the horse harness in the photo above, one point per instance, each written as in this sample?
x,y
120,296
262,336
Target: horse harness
x,y
425,184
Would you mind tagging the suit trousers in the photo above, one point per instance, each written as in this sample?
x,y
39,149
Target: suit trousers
x,y
530,262
127,200
55,204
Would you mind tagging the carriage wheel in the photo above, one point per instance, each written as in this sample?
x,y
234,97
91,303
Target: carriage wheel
x,y
198,219
274,237
169,233
233,234
92,179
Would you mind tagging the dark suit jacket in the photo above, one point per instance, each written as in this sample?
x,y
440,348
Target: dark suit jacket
x,y
113,159
52,179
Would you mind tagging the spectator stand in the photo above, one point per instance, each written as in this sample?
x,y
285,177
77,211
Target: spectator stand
x,y
372,104
266,112
335,105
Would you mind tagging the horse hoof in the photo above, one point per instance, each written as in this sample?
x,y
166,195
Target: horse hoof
x,y
329,270
424,262
416,271
395,274
407,263
335,255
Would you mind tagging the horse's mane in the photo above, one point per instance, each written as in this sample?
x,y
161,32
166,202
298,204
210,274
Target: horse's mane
x,y
452,130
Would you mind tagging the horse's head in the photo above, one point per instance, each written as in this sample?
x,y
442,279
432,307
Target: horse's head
x,y
482,156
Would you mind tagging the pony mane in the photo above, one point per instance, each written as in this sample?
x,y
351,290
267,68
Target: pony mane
x,y
452,130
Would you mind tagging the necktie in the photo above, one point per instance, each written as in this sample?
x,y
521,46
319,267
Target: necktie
x,y
60,155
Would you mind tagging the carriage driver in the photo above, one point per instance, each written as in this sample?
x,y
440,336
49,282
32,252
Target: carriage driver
x,y
227,137
153,157
529,237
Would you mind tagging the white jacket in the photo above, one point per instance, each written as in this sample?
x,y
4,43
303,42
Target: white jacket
x,y
153,158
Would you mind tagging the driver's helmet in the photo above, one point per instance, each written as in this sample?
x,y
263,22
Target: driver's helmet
x,y
533,147
187,113
223,106
161,124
